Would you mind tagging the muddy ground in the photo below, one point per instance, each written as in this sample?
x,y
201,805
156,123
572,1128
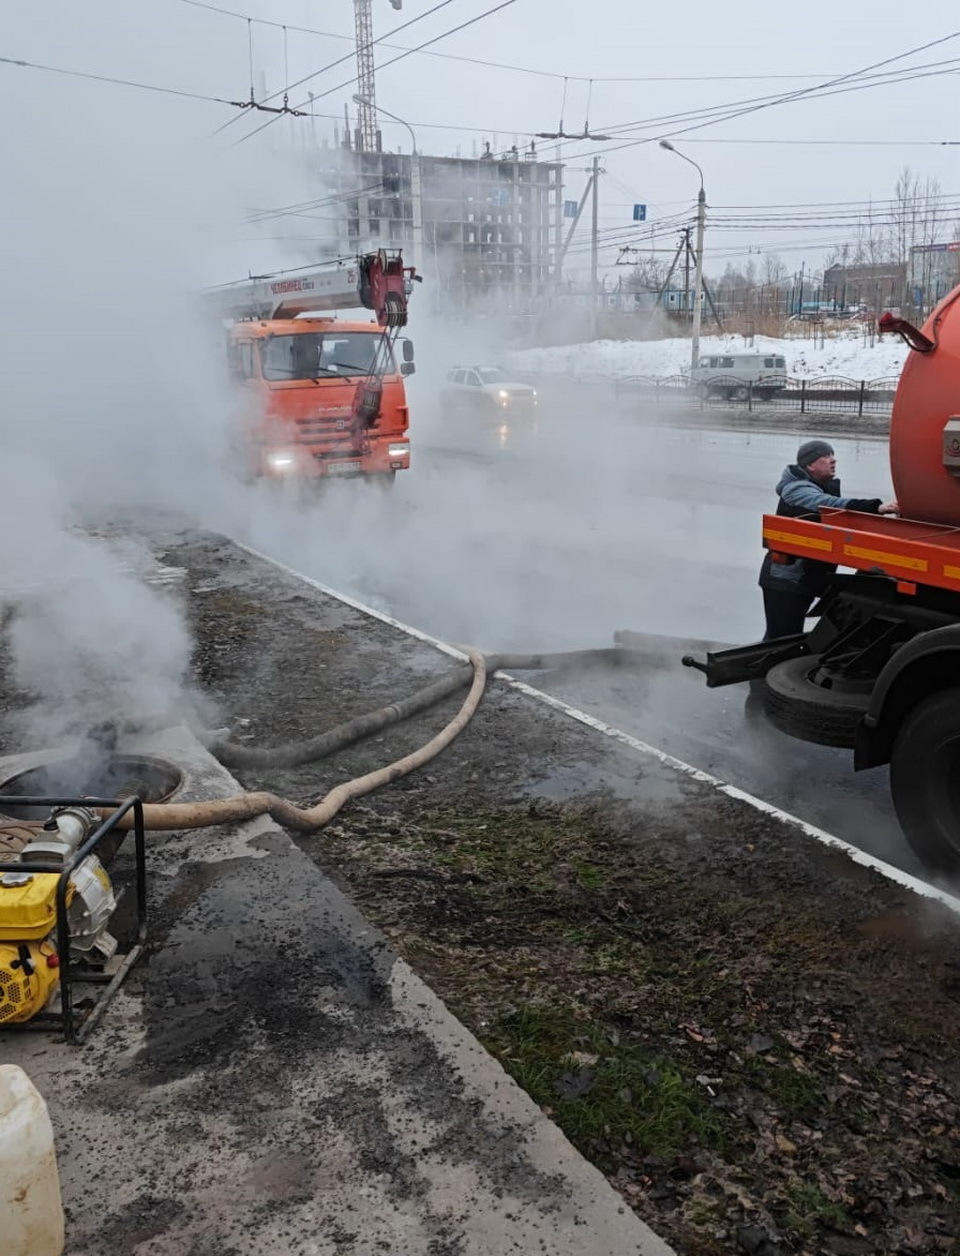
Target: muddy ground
x,y
753,1038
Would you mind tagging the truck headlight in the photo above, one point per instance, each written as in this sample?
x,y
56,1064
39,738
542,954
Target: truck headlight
x,y
281,460
398,450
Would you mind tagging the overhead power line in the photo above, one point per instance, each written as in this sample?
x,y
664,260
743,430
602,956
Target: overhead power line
x,y
852,143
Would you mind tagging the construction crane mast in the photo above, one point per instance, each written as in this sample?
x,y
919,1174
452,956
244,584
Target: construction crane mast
x,y
367,117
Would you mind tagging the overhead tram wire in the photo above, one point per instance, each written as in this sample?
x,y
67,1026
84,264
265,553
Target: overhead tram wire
x,y
907,73
788,97
422,48
705,113
340,60
709,120
499,65
710,116
119,82
349,82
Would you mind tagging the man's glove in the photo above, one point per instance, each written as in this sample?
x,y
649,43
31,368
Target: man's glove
x,y
867,505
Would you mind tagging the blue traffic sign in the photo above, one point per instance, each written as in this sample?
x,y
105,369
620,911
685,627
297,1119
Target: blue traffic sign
x,y
639,213
569,209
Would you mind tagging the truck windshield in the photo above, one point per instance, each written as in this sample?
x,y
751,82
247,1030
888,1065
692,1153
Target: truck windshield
x,y
325,355
490,375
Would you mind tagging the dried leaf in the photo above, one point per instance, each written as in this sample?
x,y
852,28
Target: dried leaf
x,y
583,1057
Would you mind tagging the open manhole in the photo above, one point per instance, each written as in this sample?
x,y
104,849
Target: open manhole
x,y
119,776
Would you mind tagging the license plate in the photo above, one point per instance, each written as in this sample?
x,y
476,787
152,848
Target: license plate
x,y
342,468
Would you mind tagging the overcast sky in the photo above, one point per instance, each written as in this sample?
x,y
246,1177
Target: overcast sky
x,y
667,60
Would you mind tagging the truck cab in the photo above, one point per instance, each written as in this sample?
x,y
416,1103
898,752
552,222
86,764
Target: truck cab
x,y
300,378
321,391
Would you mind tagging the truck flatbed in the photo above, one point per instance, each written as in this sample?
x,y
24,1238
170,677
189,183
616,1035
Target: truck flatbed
x,y
907,550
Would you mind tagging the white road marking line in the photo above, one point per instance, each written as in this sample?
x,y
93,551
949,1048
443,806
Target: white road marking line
x,y
892,873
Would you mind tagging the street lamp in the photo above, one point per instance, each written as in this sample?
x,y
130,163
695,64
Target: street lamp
x,y
365,100
698,281
416,195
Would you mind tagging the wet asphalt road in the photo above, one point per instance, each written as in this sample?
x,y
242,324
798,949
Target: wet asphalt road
x,y
553,531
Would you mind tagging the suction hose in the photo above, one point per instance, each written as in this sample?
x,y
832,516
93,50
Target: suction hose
x,y
159,816
232,755
308,819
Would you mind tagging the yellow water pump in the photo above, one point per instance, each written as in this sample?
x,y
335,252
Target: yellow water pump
x,y
29,955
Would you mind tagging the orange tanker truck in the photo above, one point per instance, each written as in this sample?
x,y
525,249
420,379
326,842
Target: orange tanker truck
x,y
879,671
321,396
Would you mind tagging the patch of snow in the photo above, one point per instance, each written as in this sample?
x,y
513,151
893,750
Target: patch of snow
x,y
848,355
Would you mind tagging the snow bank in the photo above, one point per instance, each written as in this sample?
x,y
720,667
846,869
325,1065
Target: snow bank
x,y
849,355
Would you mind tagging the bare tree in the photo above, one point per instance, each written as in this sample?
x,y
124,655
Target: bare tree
x,y
918,212
647,276
874,243
774,271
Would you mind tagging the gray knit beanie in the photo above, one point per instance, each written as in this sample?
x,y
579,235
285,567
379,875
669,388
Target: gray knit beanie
x,y
811,450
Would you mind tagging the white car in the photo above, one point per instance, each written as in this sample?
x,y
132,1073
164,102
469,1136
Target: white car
x,y
486,389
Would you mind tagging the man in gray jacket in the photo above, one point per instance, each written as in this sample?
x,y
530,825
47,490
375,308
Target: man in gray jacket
x,y
791,585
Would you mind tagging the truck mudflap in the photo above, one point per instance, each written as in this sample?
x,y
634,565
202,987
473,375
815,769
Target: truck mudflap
x,y
746,662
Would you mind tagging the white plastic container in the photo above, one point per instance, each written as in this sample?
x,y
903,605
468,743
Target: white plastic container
x,y
31,1214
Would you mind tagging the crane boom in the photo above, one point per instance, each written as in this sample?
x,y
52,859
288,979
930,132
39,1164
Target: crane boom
x,y
376,281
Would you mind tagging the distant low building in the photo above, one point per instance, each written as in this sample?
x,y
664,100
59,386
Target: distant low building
x,y
933,270
874,285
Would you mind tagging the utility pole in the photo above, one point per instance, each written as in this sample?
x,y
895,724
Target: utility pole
x,y
687,306
416,208
698,282
574,224
594,244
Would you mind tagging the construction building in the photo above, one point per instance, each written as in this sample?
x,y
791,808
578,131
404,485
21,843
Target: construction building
x,y
479,229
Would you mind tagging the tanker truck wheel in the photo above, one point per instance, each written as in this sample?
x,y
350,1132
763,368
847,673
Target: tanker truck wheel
x,y
925,779
809,711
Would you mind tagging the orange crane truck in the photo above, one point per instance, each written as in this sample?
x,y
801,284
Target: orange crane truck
x,y
879,671
322,396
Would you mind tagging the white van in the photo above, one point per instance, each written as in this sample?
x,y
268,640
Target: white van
x,y
734,375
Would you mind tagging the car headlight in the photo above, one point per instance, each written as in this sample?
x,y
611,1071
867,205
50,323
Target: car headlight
x,y
398,451
503,395
281,460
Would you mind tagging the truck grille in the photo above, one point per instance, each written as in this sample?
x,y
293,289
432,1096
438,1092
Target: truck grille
x,y
323,428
